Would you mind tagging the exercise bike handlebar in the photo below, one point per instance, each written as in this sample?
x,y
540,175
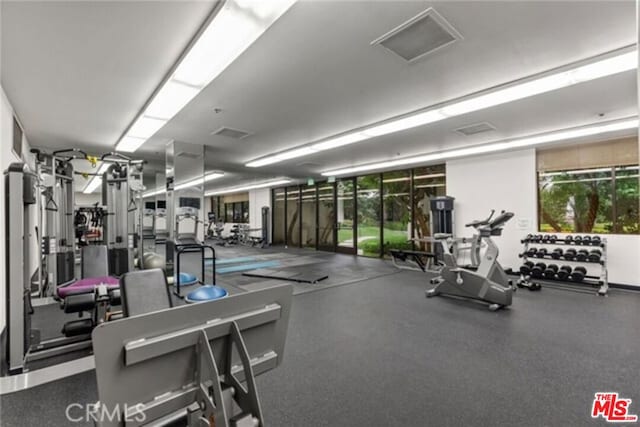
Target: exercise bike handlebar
x,y
480,222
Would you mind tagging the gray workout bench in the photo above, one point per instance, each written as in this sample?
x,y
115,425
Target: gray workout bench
x,y
190,362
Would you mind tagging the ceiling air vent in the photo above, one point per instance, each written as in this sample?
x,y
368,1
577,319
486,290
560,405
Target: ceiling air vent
x,y
423,34
231,133
475,128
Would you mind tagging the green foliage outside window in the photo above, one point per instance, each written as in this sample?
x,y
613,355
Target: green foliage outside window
x,y
603,200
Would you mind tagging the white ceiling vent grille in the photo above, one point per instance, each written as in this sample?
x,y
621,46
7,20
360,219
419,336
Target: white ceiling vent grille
x,y
231,133
423,34
475,128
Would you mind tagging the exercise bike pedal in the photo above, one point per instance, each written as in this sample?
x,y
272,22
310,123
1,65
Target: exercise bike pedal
x,y
495,307
436,280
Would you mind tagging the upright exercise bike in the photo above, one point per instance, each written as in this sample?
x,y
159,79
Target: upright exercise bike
x,y
487,282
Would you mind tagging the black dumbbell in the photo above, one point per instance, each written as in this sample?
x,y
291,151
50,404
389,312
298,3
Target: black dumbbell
x,y
578,274
570,254
538,238
529,238
596,240
541,252
577,240
531,252
582,255
594,255
550,271
546,238
525,269
557,253
553,238
564,272
537,270
568,240
586,240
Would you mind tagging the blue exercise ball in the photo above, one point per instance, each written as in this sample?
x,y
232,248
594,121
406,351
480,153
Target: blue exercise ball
x,y
187,279
207,293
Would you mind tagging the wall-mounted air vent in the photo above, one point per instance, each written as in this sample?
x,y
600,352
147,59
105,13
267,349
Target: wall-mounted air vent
x,y
231,133
423,34
475,129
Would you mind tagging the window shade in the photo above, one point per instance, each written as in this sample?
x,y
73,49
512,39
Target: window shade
x,y
617,152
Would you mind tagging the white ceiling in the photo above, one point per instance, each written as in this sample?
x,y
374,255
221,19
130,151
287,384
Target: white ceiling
x,y
312,75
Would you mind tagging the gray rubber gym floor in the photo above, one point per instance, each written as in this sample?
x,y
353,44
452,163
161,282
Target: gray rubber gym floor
x,y
377,353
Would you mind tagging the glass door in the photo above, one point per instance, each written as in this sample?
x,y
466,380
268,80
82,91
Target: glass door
x,y
369,215
326,217
308,208
293,216
345,216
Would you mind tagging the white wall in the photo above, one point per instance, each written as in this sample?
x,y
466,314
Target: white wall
x,y
257,199
508,181
6,158
505,181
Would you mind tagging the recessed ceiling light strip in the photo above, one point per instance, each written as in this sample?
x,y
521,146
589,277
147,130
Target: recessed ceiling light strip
x,y
267,184
594,68
233,28
530,141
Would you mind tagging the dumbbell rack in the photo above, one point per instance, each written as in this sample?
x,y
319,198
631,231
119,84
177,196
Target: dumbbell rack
x,y
602,280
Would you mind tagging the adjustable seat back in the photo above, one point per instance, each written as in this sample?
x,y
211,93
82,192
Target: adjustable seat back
x,y
95,261
144,291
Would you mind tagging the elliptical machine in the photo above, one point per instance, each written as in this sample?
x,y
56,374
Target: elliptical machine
x,y
488,282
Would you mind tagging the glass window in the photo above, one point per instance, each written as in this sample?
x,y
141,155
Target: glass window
x,y
245,211
278,216
428,182
584,200
309,216
326,216
293,216
626,200
345,213
369,215
396,187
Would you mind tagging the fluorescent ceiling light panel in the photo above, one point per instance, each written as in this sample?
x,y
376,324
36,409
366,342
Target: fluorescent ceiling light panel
x,y
92,185
130,144
590,130
199,181
508,93
145,127
235,27
152,193
170,100
247,187
96,180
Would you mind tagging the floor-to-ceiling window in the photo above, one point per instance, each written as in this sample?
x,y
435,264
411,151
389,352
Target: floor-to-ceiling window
x,y
345,212
369,215
326,216
428,182
396,221
293,216
308,208
278,216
